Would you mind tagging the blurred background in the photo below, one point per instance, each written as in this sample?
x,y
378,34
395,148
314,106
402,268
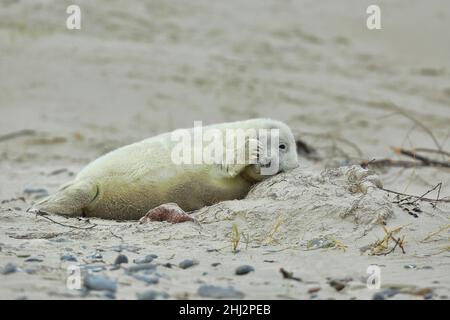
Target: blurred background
x,y
138,68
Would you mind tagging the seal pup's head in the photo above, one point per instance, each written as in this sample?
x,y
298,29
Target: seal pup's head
x,y
277,150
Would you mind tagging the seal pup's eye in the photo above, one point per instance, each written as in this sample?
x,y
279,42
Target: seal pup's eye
x,y
282,146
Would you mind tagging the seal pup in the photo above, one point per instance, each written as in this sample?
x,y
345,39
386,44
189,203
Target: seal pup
x,y
126,183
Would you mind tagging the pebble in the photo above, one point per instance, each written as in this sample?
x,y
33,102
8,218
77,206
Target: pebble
x,y
147,259
428,296
386,293
152,295
139,267
34,259
314,289
95,256
100,283
68,257
216,292
36,192
10,268
244,269
121,258
215,264
410,266
109,295
93,268
338,285
188,263
147,279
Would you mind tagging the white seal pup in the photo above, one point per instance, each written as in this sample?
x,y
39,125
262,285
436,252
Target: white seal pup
x,y
126,183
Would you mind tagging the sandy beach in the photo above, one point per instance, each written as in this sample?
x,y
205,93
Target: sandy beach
x,y
142,68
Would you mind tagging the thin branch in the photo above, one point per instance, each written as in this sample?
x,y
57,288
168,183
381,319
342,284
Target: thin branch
x,y
418,197
16,134
43,215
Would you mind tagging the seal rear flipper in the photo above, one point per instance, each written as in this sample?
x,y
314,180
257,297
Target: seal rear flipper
x,y
69,200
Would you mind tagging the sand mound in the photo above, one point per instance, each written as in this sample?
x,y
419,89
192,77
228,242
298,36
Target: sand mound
x,y
302,204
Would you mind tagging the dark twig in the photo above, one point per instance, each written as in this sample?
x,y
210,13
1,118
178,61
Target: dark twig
x,y
116,236
289,275
16,134
434,188
421,198
44,215
426,161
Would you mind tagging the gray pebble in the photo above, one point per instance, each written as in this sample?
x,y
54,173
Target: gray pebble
x,y
95,256
139,267
147,259
100,283
188,263
152,295
109,295
215,264
36,192
93,268
216,292
410,266
121,258
33,259
68,257
10,268
386,293
244,269
428,296
147,279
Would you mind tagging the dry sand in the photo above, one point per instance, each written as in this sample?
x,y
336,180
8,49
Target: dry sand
x,y
139,69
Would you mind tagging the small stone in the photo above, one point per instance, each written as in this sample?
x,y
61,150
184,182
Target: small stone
x,y
216,292
147,259
167,265
36,193
215,264
121,258
188,263
244,269
139,267
109,295
314,289
427,267
68,257
34,259
338,285
428,296
147,279
384,294
410,266
152,295
95,256
100,283
10,268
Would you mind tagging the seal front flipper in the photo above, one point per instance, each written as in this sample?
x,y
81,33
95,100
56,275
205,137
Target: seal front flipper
x,y
241,157
69,200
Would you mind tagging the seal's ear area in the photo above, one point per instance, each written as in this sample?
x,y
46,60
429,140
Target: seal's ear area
x,y
69,200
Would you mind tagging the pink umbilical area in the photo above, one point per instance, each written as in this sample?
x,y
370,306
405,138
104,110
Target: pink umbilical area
x,y
169,212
